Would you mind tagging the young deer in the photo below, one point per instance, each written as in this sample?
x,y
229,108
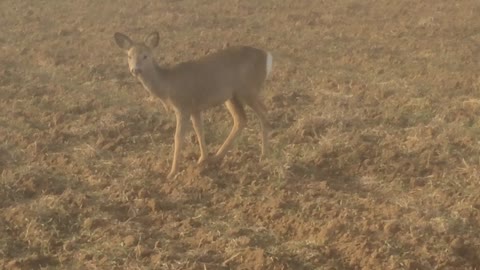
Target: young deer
x,y
233,76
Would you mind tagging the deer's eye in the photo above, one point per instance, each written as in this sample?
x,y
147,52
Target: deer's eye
x,y
144,57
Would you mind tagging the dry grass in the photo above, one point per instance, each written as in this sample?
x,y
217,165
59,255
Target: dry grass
x,y
374,106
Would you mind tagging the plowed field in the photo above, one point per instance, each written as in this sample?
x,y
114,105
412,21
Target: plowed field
x,y
375,146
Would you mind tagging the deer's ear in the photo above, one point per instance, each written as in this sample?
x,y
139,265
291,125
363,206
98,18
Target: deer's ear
x,y
123,41
152,39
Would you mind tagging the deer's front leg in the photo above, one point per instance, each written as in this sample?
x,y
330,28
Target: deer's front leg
x,y
182,121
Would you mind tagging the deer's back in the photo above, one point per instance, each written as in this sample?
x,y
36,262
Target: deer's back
x,y
210,80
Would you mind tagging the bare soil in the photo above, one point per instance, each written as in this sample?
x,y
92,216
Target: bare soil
x,y
375,145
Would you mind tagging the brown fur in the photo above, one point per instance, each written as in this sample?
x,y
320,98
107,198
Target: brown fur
x,y
233,76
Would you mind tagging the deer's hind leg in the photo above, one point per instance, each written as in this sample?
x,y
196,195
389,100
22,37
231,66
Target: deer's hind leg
x,y
237,111
261,111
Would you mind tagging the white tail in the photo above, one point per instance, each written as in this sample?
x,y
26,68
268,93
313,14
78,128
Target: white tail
x,y
269,63
233,76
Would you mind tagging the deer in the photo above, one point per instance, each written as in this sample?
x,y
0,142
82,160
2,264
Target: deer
x,y
234,76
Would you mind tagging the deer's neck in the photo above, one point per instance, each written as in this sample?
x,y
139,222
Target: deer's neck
x,y
155,81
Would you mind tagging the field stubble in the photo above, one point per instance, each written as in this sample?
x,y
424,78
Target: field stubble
x,y
375,159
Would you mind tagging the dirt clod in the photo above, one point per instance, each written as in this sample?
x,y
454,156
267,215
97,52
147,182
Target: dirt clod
x,y
129,240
